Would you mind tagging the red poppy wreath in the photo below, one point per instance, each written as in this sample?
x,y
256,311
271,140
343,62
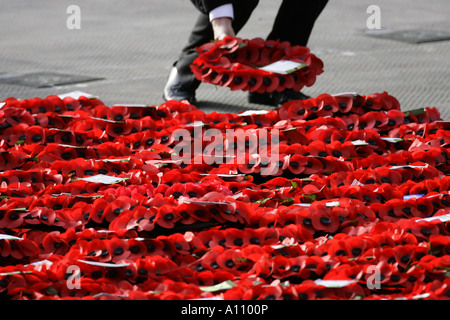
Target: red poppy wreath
x,y
256,65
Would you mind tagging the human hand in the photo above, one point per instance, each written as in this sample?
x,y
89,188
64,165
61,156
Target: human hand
x,y
222,28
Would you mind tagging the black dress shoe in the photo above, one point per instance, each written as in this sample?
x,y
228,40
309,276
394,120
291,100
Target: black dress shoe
x,y
276,98
173,90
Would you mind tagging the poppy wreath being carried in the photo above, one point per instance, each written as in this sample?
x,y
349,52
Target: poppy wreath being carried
x,y
249,65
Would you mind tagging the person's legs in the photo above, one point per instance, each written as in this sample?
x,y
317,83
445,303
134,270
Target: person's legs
x,y
294,23
200,34
295,20
181,75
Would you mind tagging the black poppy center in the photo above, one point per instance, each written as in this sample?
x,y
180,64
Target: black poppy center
x,y
229,263
325,220
118,251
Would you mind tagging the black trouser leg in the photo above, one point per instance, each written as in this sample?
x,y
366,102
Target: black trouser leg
x,y
295,20
200,34
203,33
294,23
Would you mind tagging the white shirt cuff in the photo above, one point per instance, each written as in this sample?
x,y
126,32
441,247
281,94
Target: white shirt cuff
x,y
223,11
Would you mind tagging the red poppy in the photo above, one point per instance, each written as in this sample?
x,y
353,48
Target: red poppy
x,y
264,292
312,267
110,149
232,261
414,275
78,215
27,248
404,254
373,120
198,212
269,84
234,238
389,211
64,137
115,113
208,278
439,244
240,81
356,246
114,129
431,115
12,176
345,150
169,249
250,164
358,102
35,135
99,209
385,175
14,116
97,249
307,290
163,266
118,249
217,239
421,229
53,152
55,121
345,272
81,167
166,217
13,218
53,244
15,284
181,242
143,218
396,118
55,104
73,104
323,219
434,157
382,101
313,166
16,134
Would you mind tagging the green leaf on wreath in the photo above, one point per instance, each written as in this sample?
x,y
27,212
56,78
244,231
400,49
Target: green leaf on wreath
x,y
288,201
294,185
415,112
263,201
434,250
311,197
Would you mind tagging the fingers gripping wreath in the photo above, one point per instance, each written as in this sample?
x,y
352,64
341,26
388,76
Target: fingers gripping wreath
x,y
256,65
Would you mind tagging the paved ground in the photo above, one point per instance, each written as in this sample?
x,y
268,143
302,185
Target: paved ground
x,y
132,44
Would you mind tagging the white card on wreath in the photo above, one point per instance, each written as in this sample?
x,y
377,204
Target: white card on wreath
x,y
105,264
102,178
283,66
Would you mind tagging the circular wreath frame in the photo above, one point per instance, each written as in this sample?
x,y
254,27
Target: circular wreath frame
x,y
236,63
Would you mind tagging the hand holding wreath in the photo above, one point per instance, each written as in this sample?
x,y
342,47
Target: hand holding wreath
x,y
222,28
